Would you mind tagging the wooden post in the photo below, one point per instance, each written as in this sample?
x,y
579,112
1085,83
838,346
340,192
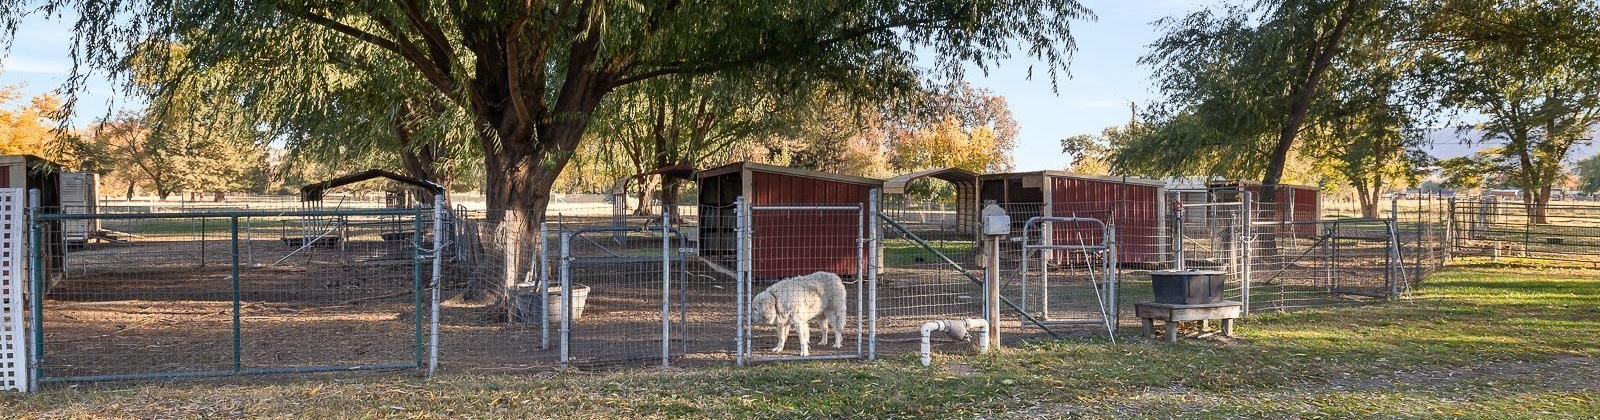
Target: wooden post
x,y
991,291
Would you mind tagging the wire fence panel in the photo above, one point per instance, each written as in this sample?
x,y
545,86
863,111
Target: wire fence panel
x,y
202,294
805,262
1491,228
1056,291
931,220
1210,233
1074,279
924,280
620,294
1349,261
491,271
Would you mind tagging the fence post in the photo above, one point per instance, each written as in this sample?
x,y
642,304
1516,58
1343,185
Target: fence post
x,y
740,273
36,280
417,254
991,288
873,255
1450,228
1421,245
544,285
566,298
666,286
1246,241
434,283
1177,236
1111,276
233,245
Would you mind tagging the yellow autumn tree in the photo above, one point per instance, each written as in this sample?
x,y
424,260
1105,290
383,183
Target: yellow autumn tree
x,y
946,144
27,127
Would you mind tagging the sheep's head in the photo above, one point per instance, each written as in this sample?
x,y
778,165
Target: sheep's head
x,y
764,309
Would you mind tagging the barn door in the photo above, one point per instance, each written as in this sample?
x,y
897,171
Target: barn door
x,y
781,242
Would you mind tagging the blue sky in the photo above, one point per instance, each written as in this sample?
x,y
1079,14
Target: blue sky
x,y
1105,77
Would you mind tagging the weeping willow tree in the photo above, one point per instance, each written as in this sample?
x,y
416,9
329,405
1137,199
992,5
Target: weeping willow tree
x,y
529,76
336,107
692,121
1528,70
1241,86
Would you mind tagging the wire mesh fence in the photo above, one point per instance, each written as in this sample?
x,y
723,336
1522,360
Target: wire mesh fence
x,y
199,294
803,263
1561,231
160,295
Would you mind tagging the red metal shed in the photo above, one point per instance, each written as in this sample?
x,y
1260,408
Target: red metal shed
x,y
1135,206
792,241
1295,204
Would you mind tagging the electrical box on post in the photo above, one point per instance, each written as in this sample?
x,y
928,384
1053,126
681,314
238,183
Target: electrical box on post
x,y
996,221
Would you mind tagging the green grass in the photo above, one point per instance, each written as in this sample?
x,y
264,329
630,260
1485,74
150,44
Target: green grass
x,y
1479,341
905,253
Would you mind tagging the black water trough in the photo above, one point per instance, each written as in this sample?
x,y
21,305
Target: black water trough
x,y
1187,287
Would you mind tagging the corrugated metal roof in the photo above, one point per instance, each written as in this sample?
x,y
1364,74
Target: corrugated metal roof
x,y
761,167
898,184
1065,174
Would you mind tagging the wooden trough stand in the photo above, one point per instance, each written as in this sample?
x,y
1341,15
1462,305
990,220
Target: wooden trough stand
x,y
1148,312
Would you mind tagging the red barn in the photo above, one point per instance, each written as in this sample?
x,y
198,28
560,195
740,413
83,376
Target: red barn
x,y
1135,206
785,242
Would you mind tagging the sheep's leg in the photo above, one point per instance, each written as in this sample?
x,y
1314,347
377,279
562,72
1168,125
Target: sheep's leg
x,y
804,328
838,330
783,335
824,324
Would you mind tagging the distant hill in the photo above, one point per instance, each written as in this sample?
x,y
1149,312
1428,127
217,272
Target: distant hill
x,y
1448,143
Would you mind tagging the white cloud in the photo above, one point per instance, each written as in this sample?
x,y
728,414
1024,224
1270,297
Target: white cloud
x,y
33,65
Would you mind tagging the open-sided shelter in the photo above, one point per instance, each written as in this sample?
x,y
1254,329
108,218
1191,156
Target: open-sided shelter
x,y
966,187
1136,207
785,242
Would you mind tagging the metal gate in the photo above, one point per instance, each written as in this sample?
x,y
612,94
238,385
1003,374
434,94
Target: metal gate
x,y
1214,234
621,296
1068,271
166,295
778,242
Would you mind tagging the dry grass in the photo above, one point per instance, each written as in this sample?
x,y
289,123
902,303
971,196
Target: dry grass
x,y
1480,341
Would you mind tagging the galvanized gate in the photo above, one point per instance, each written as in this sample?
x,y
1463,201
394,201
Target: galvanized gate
x,y
620,296
1066,278
779,242
1214,234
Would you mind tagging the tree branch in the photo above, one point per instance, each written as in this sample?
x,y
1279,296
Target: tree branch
x,y
439,77
758,56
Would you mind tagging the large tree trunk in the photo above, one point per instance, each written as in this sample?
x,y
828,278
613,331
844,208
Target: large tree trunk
x,y
1369,199
1301,95
517,193
1536,201
670,187
646,184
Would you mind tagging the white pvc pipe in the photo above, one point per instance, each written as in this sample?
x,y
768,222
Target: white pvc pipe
x,y
926,354
974,325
